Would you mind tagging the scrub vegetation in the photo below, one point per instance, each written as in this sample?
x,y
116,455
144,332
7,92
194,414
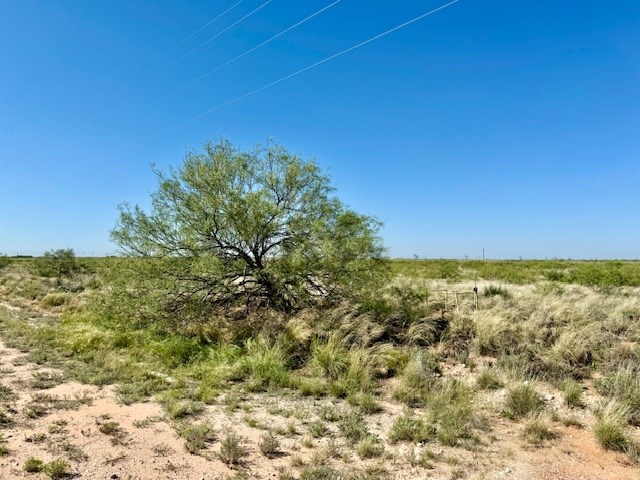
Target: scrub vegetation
x,y
328,360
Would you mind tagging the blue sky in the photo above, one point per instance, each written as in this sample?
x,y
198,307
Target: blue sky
x,y
512,126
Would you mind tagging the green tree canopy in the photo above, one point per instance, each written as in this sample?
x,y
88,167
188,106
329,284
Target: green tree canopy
x,y
258,227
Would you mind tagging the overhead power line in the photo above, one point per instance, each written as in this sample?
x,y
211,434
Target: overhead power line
x,y
278,81
210,72
209,40
302,70
99,108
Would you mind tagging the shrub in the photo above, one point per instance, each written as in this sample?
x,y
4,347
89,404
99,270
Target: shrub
x,y
56,469
196,436
231,449
33,465
494,290
269,445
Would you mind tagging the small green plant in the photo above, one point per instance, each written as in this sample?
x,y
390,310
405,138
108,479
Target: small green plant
x,y
33,465
232,450
269,445
196,436
318,429
108,428
320,473
521,401
4,450
56,469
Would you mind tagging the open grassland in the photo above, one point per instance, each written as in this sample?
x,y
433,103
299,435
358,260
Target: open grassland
x,y
541,381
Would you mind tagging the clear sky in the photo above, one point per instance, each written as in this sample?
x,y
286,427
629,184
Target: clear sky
x,y
508,125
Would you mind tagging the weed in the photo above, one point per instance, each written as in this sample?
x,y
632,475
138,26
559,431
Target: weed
x,y
183,408
108,428
33,465
410,428
162,450
56,469
624,386
318,429
196,436
493,290
366,402
370,447
5,420
353,426
320,473
44,380
232,450
73,452
269,445
330,356
313,387
609,426
6,394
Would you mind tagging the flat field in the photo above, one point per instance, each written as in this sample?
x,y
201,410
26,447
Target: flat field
x,y
536,378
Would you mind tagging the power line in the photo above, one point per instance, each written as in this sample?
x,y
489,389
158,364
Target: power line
x,y
188,37
225,64
244,54
280,80
237,22
110,102
302,70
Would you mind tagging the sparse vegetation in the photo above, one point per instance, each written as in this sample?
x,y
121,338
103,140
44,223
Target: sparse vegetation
x,y
398,377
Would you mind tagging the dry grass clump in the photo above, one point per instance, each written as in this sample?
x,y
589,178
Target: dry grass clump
x,y
536,430
521,401
624,386
609,428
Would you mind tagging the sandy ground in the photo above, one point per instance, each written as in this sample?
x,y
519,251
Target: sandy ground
x,y
146,446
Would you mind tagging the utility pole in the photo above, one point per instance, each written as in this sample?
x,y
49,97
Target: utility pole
x,y
483,254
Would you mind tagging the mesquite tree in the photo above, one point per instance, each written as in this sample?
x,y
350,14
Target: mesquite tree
x,y
251,228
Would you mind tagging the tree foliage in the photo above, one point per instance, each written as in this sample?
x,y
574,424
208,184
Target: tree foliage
x,y
58,263
252,228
